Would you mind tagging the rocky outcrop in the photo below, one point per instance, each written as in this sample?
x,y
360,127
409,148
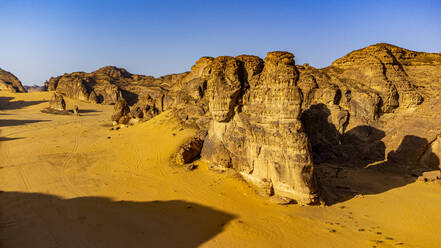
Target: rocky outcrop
x,y
57,102
256,127
276,123
57,105
95,87
357,90
190,150
109,84
120,112
34,88
9,82
269,120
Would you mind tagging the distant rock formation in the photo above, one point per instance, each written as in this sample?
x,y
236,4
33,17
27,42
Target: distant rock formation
x,y
109,84
34,88
9,82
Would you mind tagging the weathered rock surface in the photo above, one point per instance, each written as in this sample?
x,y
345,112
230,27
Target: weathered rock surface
x,y
430,176
108,84
120,112
34,88
359,88
57,105
9,82
191,149
256,127
57,102
281,125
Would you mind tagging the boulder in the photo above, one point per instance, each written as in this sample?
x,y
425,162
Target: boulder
x,y
76,110
57,102
120,112
430,176
189,150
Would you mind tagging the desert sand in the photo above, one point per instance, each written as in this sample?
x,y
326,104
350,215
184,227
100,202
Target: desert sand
x,y
70,181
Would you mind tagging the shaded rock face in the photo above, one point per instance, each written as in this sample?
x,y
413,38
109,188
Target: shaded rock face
x,y
96,87
224,88
57,102
9,82
191,149
256,127
120,112
358,89
431,155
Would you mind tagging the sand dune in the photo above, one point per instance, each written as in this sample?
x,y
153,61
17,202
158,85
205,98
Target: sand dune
x,y
69,181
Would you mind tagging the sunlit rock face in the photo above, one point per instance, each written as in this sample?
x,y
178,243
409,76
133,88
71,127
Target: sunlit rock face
x,y
271,120
378,67
224,87
9,82
256,127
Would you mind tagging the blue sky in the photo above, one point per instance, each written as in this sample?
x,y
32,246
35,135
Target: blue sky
x,y
40,39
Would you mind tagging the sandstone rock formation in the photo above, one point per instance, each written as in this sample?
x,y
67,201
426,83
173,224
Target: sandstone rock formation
x,y
109,84
431,155
190,150
120,113
9,82
256,127
57,105
358,89
57,102
273,121
34,88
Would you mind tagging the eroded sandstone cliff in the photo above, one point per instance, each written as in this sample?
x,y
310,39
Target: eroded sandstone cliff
x,y
256,127
281,125
9,82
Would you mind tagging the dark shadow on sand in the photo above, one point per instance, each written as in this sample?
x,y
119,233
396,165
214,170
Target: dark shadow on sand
x,y
42,220
8,139
356,163
84,111
7,104
14,122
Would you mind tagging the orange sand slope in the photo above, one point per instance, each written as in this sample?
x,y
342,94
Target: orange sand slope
x,y
70,181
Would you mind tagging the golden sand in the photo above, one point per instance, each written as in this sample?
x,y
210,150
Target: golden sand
x,y
70,181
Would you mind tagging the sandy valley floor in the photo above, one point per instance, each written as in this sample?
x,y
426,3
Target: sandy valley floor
x,y
70,181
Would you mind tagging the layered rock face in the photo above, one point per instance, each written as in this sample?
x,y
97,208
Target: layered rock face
x,y
57,102
109,84
57,105
256,127
357,90
121,110
272,121
9,82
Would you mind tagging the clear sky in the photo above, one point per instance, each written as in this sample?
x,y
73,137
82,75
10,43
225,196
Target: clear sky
x,y
40,39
